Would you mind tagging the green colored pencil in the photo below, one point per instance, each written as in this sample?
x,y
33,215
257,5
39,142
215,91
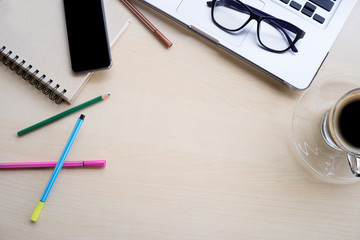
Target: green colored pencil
x,y
61,115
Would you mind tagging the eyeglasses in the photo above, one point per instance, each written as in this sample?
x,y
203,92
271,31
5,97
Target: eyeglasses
x,y
274,34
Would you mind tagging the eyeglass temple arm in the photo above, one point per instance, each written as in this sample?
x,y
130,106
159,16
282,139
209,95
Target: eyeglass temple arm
x,y
280,25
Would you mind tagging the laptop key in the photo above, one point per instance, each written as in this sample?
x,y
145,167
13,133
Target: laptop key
x,y
295,5
307,12
310,6
319,18
308,9
325,4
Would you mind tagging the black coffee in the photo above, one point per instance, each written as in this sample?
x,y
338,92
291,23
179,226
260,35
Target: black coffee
x,y
349,123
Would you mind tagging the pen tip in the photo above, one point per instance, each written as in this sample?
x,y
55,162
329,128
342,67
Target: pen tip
x,y
106,96
82,116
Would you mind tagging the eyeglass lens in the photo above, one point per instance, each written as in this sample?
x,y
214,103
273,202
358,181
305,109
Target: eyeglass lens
x,y
233,15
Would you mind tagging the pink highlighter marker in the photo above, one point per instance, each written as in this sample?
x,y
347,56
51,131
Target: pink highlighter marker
x,y
89,163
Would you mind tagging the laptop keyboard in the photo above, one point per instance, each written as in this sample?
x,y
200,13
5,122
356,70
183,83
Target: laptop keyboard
x,y
318,11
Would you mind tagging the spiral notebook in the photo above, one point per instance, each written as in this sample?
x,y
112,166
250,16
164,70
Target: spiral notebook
x,y
33,44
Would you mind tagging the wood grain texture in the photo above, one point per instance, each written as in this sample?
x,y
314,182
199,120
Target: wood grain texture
x,y
198,146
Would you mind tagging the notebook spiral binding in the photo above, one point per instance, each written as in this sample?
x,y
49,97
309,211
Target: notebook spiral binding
x,y
31,77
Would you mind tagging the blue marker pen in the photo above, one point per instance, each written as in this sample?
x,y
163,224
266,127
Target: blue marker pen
x,y
57,169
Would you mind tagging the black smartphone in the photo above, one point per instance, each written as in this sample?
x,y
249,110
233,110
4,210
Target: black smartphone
x,y
87,35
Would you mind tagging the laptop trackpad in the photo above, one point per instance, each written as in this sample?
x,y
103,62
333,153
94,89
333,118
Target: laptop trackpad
x,y
198,14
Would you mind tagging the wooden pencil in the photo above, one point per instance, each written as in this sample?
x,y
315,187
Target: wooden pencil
x,y
63,114
147,23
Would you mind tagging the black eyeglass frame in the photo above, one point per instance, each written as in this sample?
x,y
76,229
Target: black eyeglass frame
x,y
258,16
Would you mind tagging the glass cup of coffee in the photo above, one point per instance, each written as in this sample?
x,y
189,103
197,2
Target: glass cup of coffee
x,y
326,128
340,128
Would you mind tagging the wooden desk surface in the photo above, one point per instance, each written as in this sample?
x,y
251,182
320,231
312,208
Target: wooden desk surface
x,y
198,146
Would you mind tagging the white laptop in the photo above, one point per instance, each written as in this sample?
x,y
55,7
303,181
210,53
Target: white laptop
x,y
321,20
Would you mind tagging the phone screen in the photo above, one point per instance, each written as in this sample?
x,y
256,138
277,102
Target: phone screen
x,y
87,35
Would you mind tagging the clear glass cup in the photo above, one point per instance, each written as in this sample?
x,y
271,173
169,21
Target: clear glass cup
x,y
340,128
316,139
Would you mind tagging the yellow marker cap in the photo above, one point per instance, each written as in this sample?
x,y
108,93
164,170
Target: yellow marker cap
x,y
37,211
